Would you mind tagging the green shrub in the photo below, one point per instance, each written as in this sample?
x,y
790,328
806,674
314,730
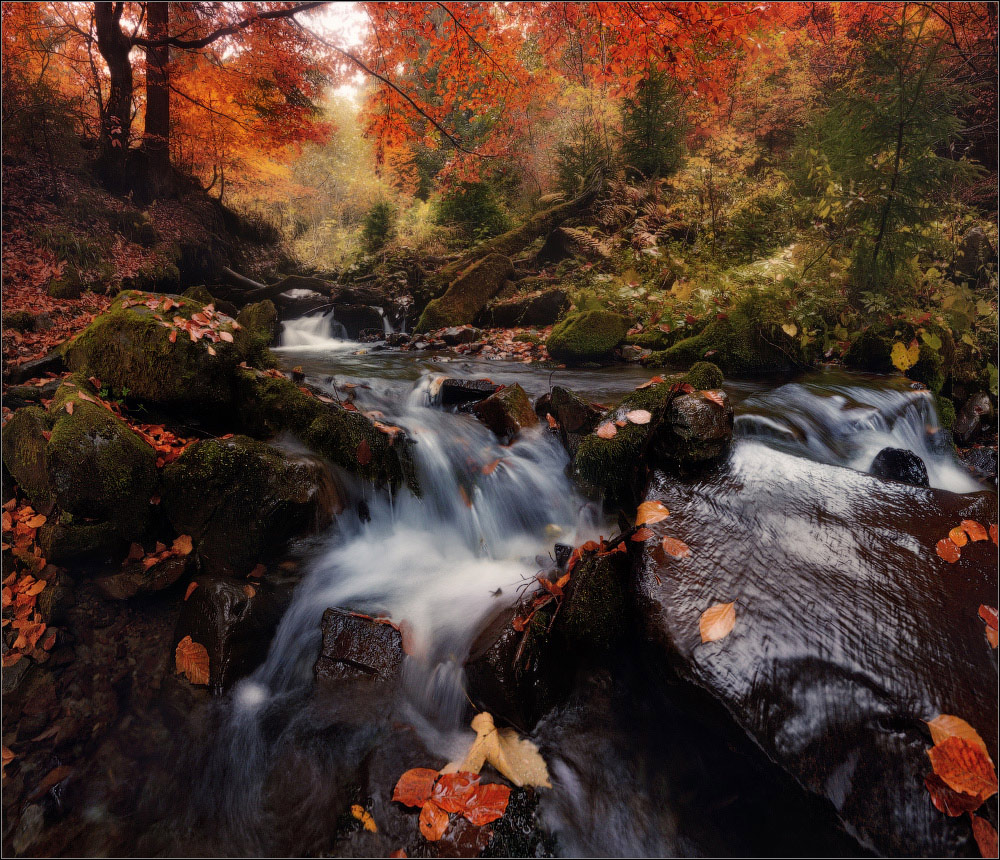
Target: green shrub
x,y
379,226
475,208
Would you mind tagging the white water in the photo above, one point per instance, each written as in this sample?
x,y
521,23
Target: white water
x,y
314,332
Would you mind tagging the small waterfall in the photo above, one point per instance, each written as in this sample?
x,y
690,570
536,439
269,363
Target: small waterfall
x,y
319,331
847,425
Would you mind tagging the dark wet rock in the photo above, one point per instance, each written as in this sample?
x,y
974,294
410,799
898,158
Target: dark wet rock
x,y
574,416
538,308
701,430
836,659
397,338
982,462
240,500
358,647
25,453
458,392
586,336
871,350
356,318
506,412
459,334
202,294
136,579
969,419
291,307
19,396
467,294
235,621
595,612
52,362
898,464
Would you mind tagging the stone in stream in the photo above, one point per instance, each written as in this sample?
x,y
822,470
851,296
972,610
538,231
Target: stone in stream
x,y
358,647
458,392
506,412
898,464
574,416
586,336
538,308
850,631
969,418
459,334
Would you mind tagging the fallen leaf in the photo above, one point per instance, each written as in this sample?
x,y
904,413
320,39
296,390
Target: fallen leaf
x,y
717,397
182,545
790,329
642,534
639,416
36,521
52,779
957,536
650,512
676,548
974,530
453,792
414,787
191,660
717,621
993,532
947,549
986,836
553,424
226,336
607,430
514,757
489,803
965,767
433,821
947,800
364,452
365,817
946,726
656,380
399,852
69,407
188,591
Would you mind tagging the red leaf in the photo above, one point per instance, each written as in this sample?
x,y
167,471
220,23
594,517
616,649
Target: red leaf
x,y
489,804
642,534
717,397
948,551
965,767
947,800
974,530
364,453
433,821
986,836
989,615
414,786
676,548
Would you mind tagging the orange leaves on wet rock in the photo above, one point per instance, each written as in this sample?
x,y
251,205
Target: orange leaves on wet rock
x,y
650,512
989,616
946,726
459,793
642,534
985,835
974,530
967,531
965,767
433,821
191,660
948,550
415,786
717,622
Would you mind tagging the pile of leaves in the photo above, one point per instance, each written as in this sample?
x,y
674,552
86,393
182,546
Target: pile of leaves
x,y
949,548
207,323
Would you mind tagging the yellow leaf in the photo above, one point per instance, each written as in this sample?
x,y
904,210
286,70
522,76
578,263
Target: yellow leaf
x,y
514,757
790,329
946,726
717,621
900,357
365,817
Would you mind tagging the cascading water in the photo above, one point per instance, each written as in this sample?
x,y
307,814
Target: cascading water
x,y
314,332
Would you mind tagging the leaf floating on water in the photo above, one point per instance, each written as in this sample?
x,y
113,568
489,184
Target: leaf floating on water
x,y
986,836
364,453
607,430
947,800
639,416
642,534
651,512
974,530
965,767
947,549
433,821
516,758
414,786
957,536
191,660
946,726
717,621
365,817
676,548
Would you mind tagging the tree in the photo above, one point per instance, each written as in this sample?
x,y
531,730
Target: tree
x,y
652,128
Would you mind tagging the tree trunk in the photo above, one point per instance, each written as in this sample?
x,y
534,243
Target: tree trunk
x,y
156,135
116,124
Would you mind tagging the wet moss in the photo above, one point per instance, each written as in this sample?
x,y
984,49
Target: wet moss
x,y
258,328
586,336
704,376
25,453
199,293
655,339
945,411
19,320
68,285
594,615
61,542
467,294
928,369
871,350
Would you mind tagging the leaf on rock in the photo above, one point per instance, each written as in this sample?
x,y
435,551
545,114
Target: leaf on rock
x,y
993,533
191,659
191,587
717,621
947,800
974,530
715,396
182,545
226,336
453,792
515,758
642,534
989,615
365,817
946,726
676,548
651,512
947,549
414,786
965,767
553,424
607,430
69,407
639,416
986,836
489,804
36,521
957,536
433,821
364,452
656,380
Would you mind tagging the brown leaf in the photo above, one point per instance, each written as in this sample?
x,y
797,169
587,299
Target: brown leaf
x,y
947,800
656,380
433,821
716,397
414,786
191,659
650,512
986,836
36,521
364,452
717,621
974,530
946,726
947,549
553,424
69,407
639,416
965,767
642,534
993,533
52,779
190,589
676,548
607,430
182,545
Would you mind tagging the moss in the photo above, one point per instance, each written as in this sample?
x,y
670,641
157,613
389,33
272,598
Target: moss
x,y
157,276
24,453
128,347
258,328
528,338
199,293
595,614
69,285
586,336
703,376
506,411
655,339
61,542
928,369
945,411
871,350
467,294
19,321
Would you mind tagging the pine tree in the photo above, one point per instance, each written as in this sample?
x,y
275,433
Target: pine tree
x,y
653,129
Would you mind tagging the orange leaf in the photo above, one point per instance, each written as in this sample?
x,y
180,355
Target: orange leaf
x,y
965,767
191,659
642,534
946,726
552,421
414,786
37,588
364,452
717,621
639,416
993,532
676,548
226,336
172,337
36,521
489,468
365,817
947,800
258,571
957,536
69,407
656,380
182,545
716,397
948,551
190,589
249,590
453,792
488,804
607,430
974,530
986,836
433,821
650,512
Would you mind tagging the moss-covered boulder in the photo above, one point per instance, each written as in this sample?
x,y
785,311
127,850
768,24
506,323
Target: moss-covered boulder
x,y
241,499
25,455
595,611
68,285
586,336
945,409
704,376
19,320
258,330
467,294
653,338
165,350
929,369
506,412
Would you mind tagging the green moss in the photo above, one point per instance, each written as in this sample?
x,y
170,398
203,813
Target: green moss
x,y
19,321
61,542
704,376
945,411
24,453
655,339
595,614
258,326
871,350
69,285
199,293
467,294
528,338
928,369
586,336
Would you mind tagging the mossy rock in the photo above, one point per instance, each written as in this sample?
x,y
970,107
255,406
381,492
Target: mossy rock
x,y
595,613
129,348
655,339
69,285
241,499
258,330
586,336
19,321
65,541
945,411
704,376
467,294
928,369
199,293
158,276
24,453
871,350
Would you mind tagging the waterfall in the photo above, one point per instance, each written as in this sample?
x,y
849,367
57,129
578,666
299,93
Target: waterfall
x,y
315,331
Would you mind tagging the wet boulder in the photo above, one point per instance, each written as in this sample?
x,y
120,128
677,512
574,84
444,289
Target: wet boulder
x,y
258,331
899,464
982,462
459,334
459,392
704,375
356,318
472,289
700,431
241,500
537,308
969,419
586,336
358,647
506,412
134,578
850,632
574,416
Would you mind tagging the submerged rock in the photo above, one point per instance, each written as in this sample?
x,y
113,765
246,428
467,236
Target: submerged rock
x,y
358,647
506,412
969,418
837,656
898,464
586,336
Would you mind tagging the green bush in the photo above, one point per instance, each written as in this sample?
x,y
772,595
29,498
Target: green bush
x,y
379,225
653,129
475,208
